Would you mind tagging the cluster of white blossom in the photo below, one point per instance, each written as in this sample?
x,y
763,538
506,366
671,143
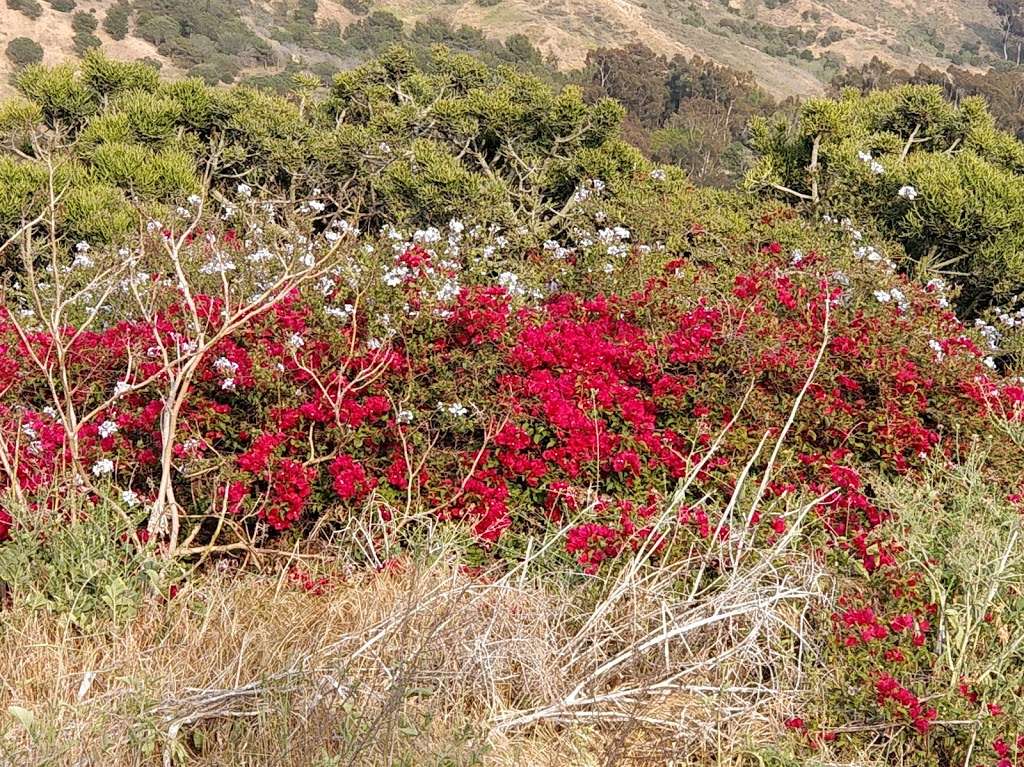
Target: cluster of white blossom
x,y
873,165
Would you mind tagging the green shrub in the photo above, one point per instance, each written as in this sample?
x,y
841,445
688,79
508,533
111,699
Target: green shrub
x,y
23,51
85,41
938,178
64,6
89,569
361,141
30,8
115,22
84,23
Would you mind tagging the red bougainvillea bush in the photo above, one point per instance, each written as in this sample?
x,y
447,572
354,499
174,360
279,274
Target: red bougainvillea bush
x,y
231,376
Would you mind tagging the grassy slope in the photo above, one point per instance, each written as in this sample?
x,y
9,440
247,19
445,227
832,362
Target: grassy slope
x,y
897,30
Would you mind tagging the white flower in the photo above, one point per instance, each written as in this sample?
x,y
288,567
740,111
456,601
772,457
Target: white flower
x,y
404,416
877,168
228,384
937,348
331,236
154,225
456,226
194,199
129,498
224,366
990,362
658,174
908,192
510,281
245,190
121,388
29,432
394,277
384,147
449,291
864,156
219,264
103,467
296,341
883,296
82,247
608,268
316,206
82,261
456,409
107,429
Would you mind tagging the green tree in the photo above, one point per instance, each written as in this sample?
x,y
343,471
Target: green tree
x,y
23,51
1011,23
389,142
937,178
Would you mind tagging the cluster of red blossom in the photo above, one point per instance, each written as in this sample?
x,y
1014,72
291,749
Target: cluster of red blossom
x,y
579,409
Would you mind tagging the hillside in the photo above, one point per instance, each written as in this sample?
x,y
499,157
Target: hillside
x,y
792,46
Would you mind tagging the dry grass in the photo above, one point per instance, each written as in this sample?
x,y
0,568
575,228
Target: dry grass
x,y
423,666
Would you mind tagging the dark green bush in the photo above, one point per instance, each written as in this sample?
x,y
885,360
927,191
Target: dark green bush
x,y
23,51
116,21
30,8
937,177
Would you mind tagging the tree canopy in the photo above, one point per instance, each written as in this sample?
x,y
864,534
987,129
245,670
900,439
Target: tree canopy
x,y
939,178
388,141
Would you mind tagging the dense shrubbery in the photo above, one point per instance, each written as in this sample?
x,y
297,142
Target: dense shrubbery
x,y
23,51
940,179
30,8
456,298
388,143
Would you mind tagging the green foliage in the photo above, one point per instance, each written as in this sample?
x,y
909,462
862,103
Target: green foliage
x,y
58,92
211,39
96,213
23,51
64,6
30,8
389,142
87,570
688,112
963,219
19,184
377,31
84,24
115,22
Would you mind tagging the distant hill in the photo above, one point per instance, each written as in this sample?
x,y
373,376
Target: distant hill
x,y
792,46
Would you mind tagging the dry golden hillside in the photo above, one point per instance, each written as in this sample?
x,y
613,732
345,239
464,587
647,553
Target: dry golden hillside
x,y
772,38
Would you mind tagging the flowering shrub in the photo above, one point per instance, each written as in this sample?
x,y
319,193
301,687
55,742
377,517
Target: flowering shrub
x,y
230,377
